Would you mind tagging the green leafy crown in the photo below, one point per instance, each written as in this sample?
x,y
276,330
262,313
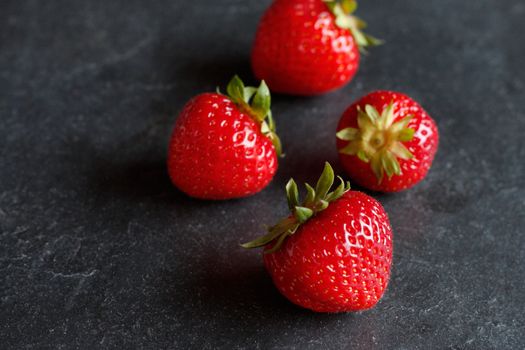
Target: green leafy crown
x,y
378,140
256,103
343,11
316,201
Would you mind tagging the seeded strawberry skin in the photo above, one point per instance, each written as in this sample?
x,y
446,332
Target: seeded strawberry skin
x,y
299,50
218,152
339,260
423,146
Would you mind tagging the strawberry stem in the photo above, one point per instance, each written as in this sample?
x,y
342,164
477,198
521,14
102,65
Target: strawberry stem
x,y
378,140
343,11
256,103
316,201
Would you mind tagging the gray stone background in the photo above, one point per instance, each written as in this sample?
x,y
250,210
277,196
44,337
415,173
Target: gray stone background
x,y
98,250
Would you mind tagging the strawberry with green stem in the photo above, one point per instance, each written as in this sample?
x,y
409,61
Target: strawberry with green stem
x,y
334,252
309,47
386,141
225,146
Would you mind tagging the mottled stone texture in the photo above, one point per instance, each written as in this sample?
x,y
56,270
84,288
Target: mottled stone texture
x,y
98,250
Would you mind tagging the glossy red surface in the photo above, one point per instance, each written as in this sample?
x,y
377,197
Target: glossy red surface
x,y
299,50
218,152
423,145
339,260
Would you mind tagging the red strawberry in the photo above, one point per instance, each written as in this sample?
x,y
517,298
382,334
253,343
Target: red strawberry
x,y
334,252
386,132
224,146
309,47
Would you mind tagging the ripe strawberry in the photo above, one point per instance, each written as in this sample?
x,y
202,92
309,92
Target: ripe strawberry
x,y
309,47
224,146
386,132
334,252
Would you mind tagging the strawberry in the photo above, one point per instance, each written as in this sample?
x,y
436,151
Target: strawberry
x,y
309,47
224,146
388,133
334,252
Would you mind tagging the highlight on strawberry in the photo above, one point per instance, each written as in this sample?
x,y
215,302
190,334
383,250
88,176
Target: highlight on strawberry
x,y
225,146
309,47
386,141
333,253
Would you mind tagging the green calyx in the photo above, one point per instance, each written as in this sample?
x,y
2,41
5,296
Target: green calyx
x,y
256,103
343,11
378,140
316,201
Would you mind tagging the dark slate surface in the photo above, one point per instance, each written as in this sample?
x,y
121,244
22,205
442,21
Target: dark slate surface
x,y
97,250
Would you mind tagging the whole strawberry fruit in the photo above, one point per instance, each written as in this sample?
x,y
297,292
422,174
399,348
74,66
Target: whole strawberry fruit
x,y
224,146
388,133
309,47
334,252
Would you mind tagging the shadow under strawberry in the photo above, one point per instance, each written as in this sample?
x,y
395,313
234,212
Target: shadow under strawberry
x,y
142,181
223,295
134,179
